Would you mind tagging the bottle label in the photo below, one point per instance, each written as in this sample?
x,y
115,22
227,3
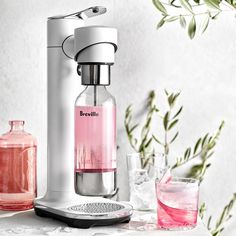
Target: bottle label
x,y
95,138
92,113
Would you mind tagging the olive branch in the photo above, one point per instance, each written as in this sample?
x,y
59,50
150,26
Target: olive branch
x,y
223,218
169,121
203,149
144,145
186,11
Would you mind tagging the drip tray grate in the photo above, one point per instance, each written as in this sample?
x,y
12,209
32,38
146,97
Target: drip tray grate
x,y
96,207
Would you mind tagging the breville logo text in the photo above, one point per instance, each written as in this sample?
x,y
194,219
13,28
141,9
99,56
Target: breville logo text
x,y
92,113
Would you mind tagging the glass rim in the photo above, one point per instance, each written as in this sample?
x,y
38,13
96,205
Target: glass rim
x,y
177,179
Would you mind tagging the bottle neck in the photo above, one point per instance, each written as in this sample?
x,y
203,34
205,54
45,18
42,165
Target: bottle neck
x,y
16,125
96,92
91,88
96,74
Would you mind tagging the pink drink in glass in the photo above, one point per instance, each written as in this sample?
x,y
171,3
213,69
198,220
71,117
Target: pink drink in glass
x,y
177,204
95,139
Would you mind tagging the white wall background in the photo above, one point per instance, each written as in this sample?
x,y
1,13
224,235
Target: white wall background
x,y
203,69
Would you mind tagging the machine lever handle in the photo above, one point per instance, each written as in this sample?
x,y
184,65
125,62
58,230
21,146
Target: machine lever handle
x,y
84,14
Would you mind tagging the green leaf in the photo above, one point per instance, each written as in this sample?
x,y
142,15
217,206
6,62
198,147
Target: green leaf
x,y
148,143
152,95
214,17
215,4
171,18
202,210
133,128
192,28
170,99
178,112
128,111
166,120
175,96
197,145
161,23
209,223
156,139
210,154
171,2
159,6
182,21
208,165
146,162
205,23
204,140
187,153
166,92
173,139
195,171
186,5
172,124
222,124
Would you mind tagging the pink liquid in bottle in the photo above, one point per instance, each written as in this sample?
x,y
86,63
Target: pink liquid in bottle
x,y
95,139
17,168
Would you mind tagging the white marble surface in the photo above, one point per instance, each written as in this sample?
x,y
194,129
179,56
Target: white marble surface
x,y
27,223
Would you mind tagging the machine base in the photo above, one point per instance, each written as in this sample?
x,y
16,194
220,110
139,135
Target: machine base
x,y
81,223
82,212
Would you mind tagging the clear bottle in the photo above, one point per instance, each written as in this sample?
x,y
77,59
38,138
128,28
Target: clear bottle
x,y
18,151
95,140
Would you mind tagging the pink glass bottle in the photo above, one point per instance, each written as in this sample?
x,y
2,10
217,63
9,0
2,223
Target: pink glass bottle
x,y
18,151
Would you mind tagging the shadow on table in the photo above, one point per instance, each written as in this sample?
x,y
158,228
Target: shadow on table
x,y
27,218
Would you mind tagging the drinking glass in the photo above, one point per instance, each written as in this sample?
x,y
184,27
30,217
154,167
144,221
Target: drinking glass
x,y
177,203
143,170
